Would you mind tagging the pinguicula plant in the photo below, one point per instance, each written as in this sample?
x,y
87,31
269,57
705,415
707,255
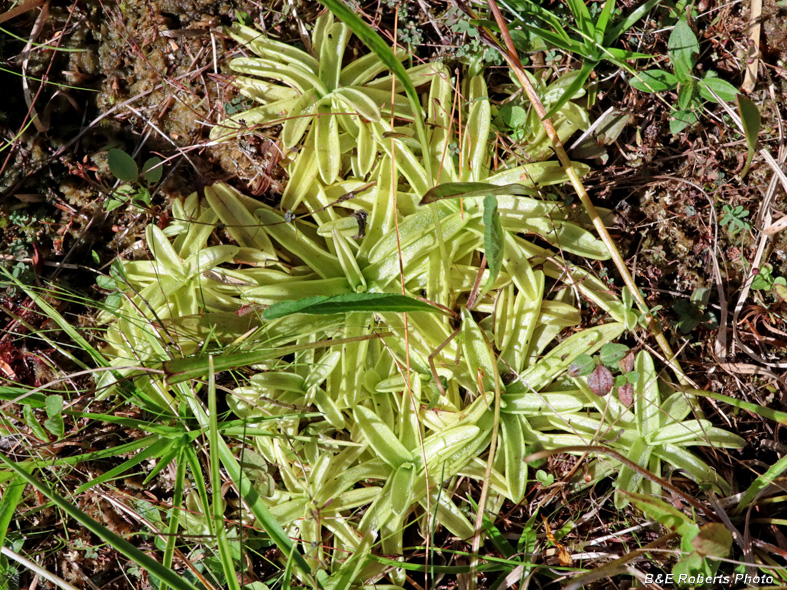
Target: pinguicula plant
x,y
396,326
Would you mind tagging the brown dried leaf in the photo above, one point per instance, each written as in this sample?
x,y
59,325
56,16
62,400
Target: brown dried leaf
x,y
626,394
627,363
600,380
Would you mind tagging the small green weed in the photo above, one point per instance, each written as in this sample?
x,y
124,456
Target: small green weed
x,y
22,228
472,51
703,546
519,122
238,104
735,218
512,118
137,189
592,41
693,312
766,281
544,478
599,368
684,49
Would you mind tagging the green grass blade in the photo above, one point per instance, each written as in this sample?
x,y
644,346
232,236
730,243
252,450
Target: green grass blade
x,y
579,81
775,415
442,569
35,400
628,22
566,44
247,491
369,302
11,497
374,42
180,370
582,17
761,483
97,455
153,450
54,315
258,508
225,553
603,21
119,544
177,501
199,483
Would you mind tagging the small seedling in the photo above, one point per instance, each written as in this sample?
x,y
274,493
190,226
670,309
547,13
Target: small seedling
x,y
54,411
114,282
512,119
684,49
599,371
764,280
735,217
124,168
544,478
693,312
238,105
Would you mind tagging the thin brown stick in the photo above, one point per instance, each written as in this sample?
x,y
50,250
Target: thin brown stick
x,y
9,14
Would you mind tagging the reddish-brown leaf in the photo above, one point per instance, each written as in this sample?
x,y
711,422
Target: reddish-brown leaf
x,y
627,363
626,394
600,380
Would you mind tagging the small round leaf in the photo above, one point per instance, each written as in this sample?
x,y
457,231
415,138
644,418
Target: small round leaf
x,y
600,380
611,353
626,394
581,366
152,170
122,165
627,363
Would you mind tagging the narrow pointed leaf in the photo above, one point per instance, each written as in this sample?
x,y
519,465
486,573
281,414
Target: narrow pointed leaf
x,y
369,302
752,121
183,369
118,543
654,81
11,498
453,190
494,240
575,86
